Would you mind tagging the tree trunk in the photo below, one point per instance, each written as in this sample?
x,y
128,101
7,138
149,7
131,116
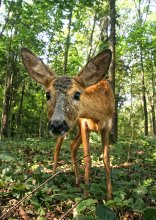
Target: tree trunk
x,y
67,45
91,39
18,122
112,42
104,27
140,19
12,120
7,95
153,120
132,106
9,73
144,105
153,104
6,106
144,93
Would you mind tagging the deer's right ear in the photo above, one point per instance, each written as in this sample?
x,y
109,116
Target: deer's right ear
x,y
36,68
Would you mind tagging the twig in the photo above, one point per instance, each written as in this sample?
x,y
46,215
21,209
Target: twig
x,y
64,215
35,190
17,204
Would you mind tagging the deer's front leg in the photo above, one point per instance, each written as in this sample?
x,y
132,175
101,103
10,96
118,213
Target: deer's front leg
x,y
106,160
56,153
87,159
74,147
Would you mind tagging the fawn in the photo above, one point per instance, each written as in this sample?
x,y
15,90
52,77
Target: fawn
x,y
85,99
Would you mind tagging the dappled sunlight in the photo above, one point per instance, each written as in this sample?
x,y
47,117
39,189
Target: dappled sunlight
x,y
133,182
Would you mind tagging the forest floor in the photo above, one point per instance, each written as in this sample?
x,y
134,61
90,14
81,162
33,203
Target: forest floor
x,y
25,164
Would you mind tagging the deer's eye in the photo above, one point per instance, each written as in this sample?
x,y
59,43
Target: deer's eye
x,y
77,96
48,96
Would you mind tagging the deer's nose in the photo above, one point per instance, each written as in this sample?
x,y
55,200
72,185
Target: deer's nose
x,y
58,127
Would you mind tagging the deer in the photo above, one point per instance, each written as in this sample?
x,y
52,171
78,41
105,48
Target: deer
x,y
86,99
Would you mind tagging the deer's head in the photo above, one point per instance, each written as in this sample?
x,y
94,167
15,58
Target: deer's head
x,y
63,93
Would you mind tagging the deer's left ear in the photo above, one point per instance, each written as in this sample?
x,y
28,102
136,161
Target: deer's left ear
x,y
95,69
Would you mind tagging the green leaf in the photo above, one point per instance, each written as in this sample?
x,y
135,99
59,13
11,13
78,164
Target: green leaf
x,y
88,203
41,218
59,197
105,213
139,204
153,192
150,213
5,156
82,217
41,211
140,191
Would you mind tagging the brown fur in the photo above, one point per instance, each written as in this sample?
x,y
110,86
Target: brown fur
x,y
98,103
93,112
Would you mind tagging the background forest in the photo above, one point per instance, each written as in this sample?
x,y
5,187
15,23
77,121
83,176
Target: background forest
x,y
66,34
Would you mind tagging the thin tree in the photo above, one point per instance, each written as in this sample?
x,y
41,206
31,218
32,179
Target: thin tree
x,y
140,44
153,99
112,43
67,43
7,95
91,39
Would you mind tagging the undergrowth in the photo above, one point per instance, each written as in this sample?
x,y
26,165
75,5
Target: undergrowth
x,y
25,164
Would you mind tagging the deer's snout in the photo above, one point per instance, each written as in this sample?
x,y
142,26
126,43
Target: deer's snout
x,y
58,127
